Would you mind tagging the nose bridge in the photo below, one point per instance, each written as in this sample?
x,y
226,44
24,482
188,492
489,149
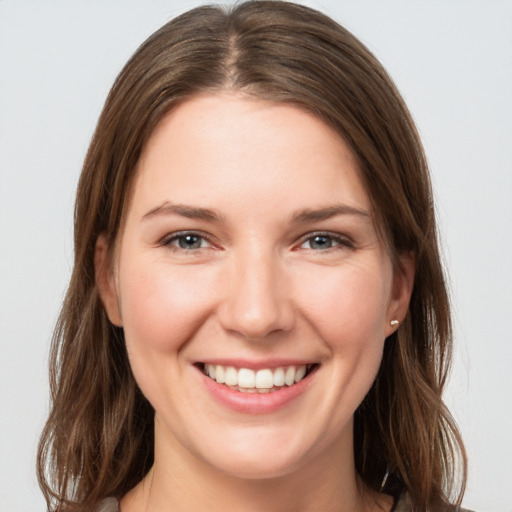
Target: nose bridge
x,y
257,303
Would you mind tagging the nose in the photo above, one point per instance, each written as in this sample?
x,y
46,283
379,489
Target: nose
x,y
256,303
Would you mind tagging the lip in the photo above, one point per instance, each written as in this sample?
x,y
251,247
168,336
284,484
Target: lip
x,y
254,403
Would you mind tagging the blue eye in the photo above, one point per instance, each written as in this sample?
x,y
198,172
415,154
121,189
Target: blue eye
x,y
320,242
187,241
323,242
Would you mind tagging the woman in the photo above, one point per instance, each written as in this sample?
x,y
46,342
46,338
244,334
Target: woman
x,y
257,317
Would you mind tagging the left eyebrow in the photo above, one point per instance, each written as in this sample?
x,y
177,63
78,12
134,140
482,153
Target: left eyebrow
x,y
315,215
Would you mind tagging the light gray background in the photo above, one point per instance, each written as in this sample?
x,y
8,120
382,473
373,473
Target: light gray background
x,y
452,60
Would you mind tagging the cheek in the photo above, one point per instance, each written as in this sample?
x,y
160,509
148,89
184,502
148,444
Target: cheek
x,y
161,307
349,314
349,308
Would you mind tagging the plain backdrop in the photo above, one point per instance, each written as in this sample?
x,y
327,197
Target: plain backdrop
x,y
451,59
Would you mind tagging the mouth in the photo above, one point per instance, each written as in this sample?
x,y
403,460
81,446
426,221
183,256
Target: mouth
x,y
263,380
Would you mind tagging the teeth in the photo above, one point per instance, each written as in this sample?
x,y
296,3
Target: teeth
x,y
219,373
289,376
262,381
246,378
299,374
278,377
231,376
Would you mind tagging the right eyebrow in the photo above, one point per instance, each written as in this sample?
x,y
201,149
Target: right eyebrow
x,y
183,210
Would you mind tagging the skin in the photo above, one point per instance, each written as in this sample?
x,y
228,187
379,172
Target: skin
x,y
258,287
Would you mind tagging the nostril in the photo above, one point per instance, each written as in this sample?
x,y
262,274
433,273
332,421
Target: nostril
x,y
255,304
255,324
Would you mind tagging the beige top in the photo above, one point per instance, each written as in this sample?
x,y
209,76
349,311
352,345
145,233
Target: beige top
x,y
108,505
403,505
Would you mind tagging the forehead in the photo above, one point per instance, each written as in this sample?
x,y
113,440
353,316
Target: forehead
x,y
237,151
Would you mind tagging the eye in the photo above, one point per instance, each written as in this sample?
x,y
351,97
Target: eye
x,y
324,241
187,241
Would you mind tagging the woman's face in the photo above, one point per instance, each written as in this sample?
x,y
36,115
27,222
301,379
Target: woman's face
x,y
250,254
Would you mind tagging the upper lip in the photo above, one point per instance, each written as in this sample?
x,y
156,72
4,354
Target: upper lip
x,y
254,364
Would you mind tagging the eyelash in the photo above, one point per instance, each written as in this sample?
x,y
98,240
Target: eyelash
x,y
341,242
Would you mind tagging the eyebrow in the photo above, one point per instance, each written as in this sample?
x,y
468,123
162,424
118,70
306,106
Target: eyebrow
x,y
315,215
305,216
190,212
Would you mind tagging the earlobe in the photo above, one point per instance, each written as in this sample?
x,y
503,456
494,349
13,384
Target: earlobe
x,y
403,283
105,281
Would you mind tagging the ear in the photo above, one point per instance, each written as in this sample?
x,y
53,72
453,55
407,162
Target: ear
x,y
403,283
106,282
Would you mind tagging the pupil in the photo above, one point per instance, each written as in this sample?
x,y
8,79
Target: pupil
x,y
190,242
321,242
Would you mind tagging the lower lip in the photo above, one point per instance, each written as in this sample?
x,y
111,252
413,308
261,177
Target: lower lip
x,y
255,403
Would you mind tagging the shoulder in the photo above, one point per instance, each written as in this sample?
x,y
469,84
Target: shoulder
x,y
404,505
108,505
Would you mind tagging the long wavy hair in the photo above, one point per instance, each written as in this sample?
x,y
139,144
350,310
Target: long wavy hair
x,y
98,440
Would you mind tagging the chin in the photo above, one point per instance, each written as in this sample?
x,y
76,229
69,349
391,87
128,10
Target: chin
x,y
256,467
265,452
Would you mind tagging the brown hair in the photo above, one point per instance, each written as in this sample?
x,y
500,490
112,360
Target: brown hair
x,y
98,440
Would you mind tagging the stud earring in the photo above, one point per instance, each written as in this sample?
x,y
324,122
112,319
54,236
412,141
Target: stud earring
x,y
394,323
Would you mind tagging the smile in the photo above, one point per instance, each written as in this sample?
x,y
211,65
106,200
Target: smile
x,y
265,380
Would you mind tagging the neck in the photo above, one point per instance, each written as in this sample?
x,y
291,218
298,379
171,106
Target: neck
x,y
181,482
